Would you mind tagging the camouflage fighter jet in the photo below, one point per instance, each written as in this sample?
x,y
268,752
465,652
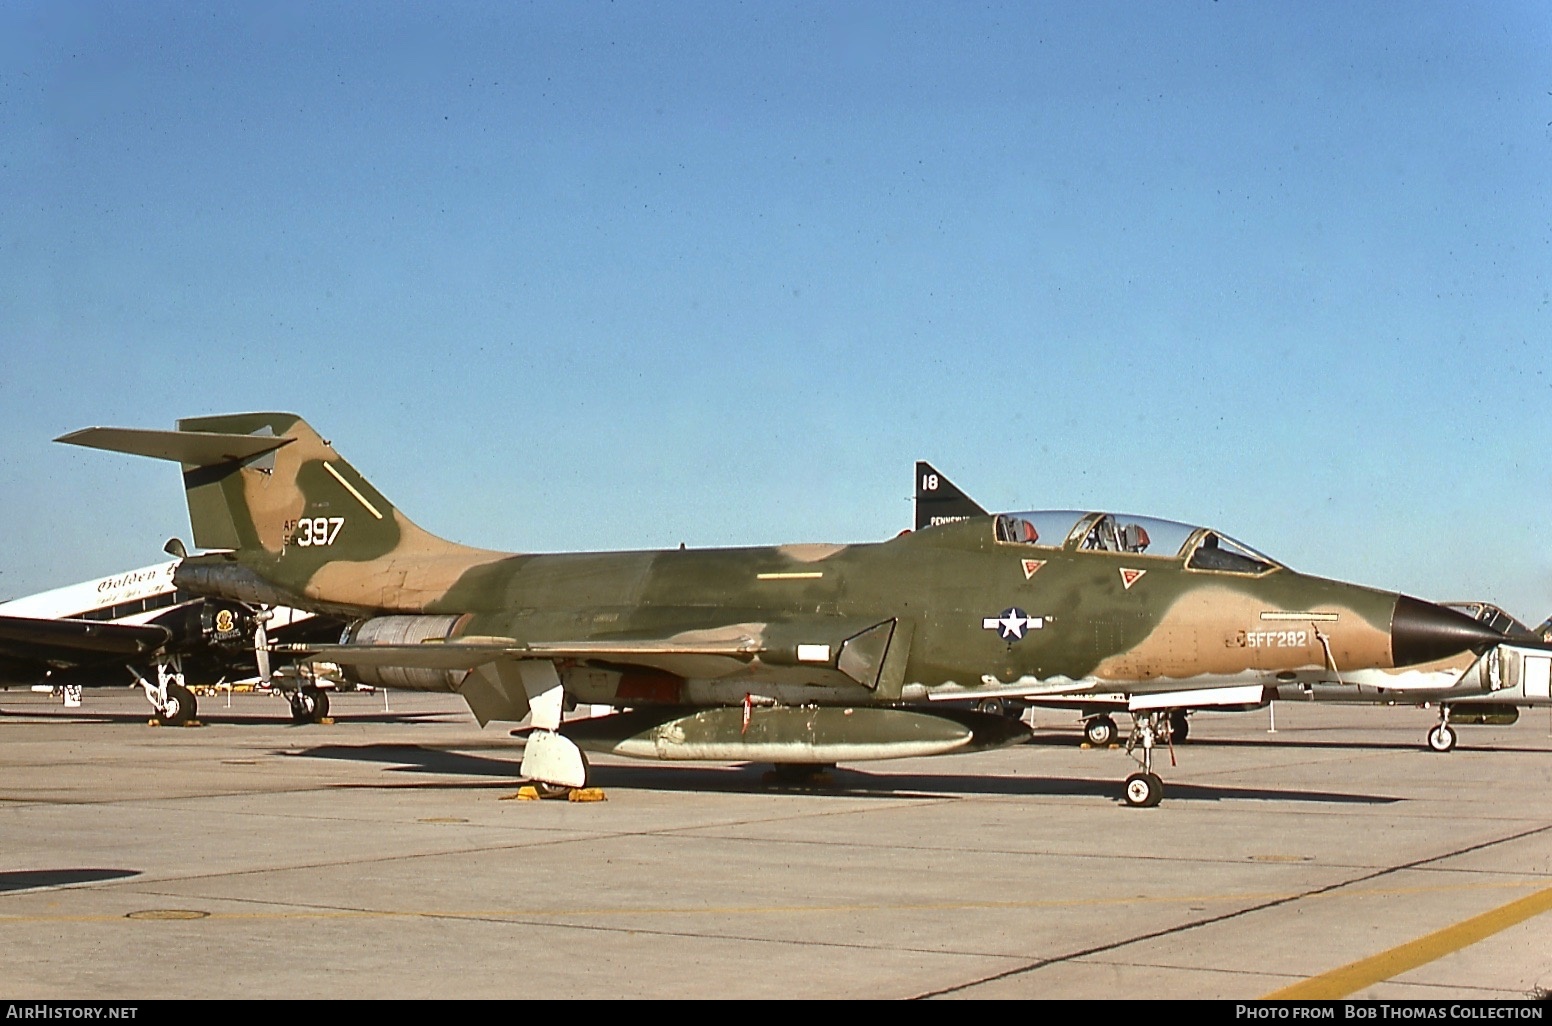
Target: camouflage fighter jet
x,y
798,655
1464,687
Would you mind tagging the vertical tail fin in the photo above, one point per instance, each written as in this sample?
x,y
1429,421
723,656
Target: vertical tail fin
x,y
268,487
939,500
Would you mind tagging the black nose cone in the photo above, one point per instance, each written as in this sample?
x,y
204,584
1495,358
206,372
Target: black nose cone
x,y
1421,632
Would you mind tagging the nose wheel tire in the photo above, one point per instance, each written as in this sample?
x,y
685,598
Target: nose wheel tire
x,y
1144,790
1100,731
1441,738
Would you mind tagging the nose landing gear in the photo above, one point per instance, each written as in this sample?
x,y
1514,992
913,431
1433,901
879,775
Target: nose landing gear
x,y
1442,737
1145,790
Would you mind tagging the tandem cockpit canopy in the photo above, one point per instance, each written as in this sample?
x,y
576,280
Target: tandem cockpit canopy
x,y
1200,548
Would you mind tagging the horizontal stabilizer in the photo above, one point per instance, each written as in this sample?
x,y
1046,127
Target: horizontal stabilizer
x,y
199,448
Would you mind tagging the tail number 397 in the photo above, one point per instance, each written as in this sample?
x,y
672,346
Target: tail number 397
x,y
316,530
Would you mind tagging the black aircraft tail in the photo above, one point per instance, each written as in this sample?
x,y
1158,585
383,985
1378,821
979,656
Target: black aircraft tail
x,y
939,501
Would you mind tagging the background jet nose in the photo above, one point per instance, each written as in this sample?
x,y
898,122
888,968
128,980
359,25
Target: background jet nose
x,y
1421,632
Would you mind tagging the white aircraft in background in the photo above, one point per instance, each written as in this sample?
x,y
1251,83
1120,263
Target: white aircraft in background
x,y
138,629
1491,688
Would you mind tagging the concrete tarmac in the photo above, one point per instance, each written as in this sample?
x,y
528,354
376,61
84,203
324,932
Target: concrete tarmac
x,y
385,855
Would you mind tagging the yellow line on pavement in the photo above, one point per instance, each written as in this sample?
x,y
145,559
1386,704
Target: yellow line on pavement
x,y
1339,983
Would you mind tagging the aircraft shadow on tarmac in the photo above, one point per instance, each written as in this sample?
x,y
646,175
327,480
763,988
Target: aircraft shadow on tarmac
x,y
844,782
217,715
1357,746
77,716
33,879
418,759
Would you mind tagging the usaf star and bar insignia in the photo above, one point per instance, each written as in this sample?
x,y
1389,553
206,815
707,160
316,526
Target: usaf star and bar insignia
x,y
1012,624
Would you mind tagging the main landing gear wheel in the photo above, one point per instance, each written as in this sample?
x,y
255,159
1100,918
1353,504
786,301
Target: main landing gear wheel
x,y
1144,790
1100,731
179,707
309,705
1179,726
1441,738
992,707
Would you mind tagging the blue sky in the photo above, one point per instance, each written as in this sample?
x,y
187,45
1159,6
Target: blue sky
x,y
618,275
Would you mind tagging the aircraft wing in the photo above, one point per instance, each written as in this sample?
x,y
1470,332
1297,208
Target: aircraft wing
x,y
1026,692
72,642
1074,695
1238,697
471,653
